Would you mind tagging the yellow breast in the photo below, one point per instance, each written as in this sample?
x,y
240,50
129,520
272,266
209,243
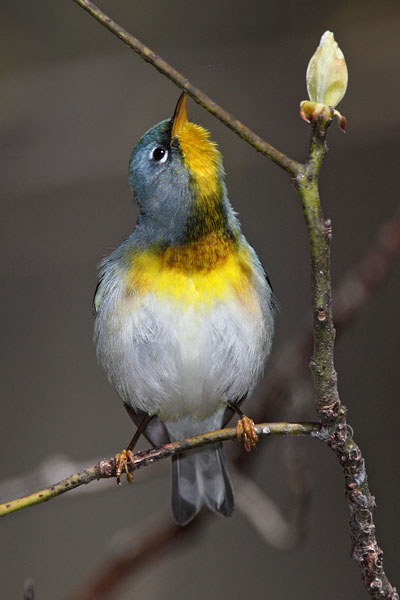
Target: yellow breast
x,y
198,274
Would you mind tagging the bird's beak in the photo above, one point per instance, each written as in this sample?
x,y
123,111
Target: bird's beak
x,y
180,117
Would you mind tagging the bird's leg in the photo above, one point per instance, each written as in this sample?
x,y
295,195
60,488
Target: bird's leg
x,y
125,458
135,418
245,428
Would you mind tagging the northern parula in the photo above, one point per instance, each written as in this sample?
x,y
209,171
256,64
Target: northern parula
x,y
184,309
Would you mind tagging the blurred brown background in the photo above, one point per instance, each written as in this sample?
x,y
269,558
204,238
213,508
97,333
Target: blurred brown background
x,y
74,101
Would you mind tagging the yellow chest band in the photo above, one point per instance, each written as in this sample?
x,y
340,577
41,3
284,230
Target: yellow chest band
x,y
192,274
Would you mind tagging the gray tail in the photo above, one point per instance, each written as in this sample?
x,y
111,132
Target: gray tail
x,y
200,477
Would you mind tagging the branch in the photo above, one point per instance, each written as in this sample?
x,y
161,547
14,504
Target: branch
x,y
106,468
327,401
288,164
328,404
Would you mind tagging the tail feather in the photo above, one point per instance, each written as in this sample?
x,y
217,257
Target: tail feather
x,y
200,477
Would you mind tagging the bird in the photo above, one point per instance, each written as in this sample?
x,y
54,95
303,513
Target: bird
x,y
184,311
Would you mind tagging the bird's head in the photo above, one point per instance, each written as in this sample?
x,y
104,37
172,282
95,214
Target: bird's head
x,y
176,174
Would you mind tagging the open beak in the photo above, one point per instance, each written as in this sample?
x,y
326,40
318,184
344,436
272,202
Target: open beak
x,y
180,117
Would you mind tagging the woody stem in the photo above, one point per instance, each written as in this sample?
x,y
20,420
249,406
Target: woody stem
x,y
335,431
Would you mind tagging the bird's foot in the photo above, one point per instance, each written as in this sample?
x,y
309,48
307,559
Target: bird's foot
x,y
122,461
246,429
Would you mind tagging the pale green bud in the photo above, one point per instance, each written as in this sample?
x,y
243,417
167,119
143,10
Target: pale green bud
x,y
327,73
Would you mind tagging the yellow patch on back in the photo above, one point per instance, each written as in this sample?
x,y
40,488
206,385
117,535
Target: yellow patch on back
x,y
202,157
183,282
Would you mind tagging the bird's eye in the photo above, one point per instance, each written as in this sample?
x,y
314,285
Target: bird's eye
x,y
159,154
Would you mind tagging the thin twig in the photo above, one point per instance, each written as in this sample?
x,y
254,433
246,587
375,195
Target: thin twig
x,y
106,468
288,164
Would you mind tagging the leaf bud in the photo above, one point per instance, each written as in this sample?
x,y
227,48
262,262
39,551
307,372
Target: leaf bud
x,y
327,72
326,82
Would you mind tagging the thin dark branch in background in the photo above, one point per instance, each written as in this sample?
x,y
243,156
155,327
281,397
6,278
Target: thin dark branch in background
x,y
370,274
288,164
116,569
146,546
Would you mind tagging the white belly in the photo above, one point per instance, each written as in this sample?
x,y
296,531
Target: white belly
x,y
173,361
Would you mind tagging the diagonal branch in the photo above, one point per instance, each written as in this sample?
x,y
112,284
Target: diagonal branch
x,y
288,164
106,468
